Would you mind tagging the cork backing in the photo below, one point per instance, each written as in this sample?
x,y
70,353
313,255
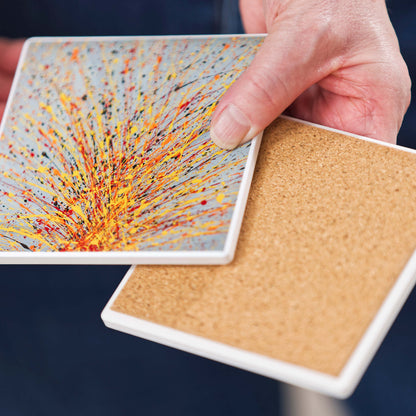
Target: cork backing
x,y
330,223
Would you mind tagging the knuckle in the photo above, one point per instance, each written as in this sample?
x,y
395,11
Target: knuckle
x,y
267,87
408,88
404,82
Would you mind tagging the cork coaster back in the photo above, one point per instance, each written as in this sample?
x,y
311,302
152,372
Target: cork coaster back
x,y
330,223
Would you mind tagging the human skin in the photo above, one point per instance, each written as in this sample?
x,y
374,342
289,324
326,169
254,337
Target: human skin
x,y
9,57
332,62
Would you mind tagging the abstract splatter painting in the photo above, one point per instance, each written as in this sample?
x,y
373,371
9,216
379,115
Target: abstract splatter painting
x,y
105,149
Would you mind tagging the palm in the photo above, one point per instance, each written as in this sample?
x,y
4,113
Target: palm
x,y
9,56
354,99
325,107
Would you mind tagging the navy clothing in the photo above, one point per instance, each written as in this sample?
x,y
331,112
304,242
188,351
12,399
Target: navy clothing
x,y
56,356
23,18
58,359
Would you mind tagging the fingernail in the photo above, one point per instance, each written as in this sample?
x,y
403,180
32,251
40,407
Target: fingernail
x,y
230,128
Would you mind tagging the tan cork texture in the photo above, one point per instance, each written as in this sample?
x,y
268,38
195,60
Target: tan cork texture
x,y
329,225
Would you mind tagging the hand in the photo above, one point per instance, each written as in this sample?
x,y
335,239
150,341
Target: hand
x,y
334,62
9,56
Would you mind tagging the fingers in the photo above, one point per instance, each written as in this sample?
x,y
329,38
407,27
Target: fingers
x,y
5,85
2,108
252,15
9,57
288,63
10,53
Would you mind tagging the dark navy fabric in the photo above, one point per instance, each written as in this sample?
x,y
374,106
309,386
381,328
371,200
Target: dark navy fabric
x,y
98,17
23,18
56,356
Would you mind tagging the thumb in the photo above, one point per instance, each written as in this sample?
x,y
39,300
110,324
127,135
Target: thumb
x,y
289,62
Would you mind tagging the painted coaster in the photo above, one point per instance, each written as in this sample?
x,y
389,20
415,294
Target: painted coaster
x,y
106,157
323,265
